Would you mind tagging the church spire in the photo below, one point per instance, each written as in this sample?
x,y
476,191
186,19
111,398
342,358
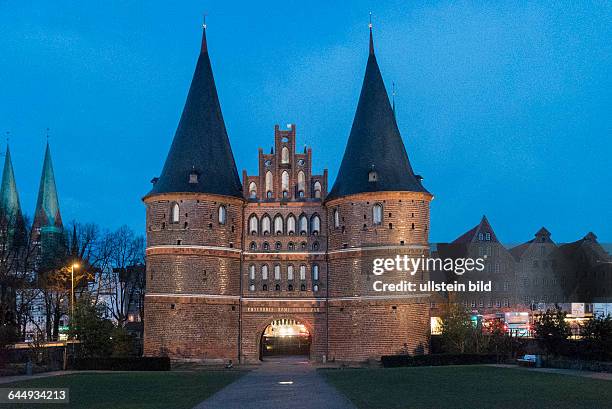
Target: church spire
x,y
375,158
200,159
9,197
47,215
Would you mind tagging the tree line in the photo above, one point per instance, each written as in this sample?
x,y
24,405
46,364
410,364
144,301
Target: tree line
x,y
36,270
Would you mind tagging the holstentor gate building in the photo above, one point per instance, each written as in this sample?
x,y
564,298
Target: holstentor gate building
x,y
231,263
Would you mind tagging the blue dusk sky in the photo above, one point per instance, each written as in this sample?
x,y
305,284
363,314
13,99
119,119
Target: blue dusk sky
x,y
504,107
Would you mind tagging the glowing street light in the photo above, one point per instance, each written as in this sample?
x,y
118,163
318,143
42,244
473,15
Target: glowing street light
x,y
72,267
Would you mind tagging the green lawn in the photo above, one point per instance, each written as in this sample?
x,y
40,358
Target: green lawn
x,y
131,390
468,387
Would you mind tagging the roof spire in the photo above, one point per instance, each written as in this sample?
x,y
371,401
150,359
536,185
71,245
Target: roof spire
x,y
204,48
74,248
9,197
374,140
393,97
200,141
371,39
47,214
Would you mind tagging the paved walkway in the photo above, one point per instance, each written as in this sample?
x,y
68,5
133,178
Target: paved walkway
x,y
18,378
279,384
573,372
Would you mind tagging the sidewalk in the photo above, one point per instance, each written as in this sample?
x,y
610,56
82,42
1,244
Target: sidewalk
x,y
279,384
585,374
19,378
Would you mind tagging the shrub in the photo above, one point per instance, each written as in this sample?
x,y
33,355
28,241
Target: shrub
x,y
552,331
390,361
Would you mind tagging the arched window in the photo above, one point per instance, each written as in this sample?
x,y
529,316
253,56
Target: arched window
x,y
303,225
285,155
317,189
290,246
315,225
315,272
277,287
252,190
290,272
278,245
315,287
222,214
253,246
336,218
266,246
265,225
315,246
291,224
377,213
277,272
252,287
302,272
303,287
301,184
253,225
252,272
175,213
290,287
285,183
269,184
264,272
264,287
278,224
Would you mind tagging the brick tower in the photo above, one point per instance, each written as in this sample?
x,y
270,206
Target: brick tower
x,y
377,207
194,234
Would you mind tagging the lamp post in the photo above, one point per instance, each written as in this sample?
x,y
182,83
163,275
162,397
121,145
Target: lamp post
x,y
72,267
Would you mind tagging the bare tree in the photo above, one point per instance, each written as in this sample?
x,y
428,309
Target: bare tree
x,y
17,283
126,273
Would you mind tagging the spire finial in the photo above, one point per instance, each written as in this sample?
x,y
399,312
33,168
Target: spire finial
x,y
393,96
8,133
371,39
204,48
47,135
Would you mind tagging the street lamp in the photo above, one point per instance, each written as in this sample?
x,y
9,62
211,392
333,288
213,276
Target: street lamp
x,y
72,267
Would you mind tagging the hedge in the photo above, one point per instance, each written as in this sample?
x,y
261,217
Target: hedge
x,y
390,361
122,364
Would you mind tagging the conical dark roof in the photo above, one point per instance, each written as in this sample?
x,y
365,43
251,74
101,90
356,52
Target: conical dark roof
x,y
201,144
375,144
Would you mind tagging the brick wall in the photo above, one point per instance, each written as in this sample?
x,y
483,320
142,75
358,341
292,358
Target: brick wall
x,y
359,330
189,327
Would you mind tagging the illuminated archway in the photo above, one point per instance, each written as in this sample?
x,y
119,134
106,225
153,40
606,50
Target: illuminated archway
x,y
285,337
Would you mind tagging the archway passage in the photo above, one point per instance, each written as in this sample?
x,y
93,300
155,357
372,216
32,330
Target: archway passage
x,y
285,337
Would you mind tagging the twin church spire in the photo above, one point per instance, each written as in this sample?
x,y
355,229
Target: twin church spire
x,y
200,159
